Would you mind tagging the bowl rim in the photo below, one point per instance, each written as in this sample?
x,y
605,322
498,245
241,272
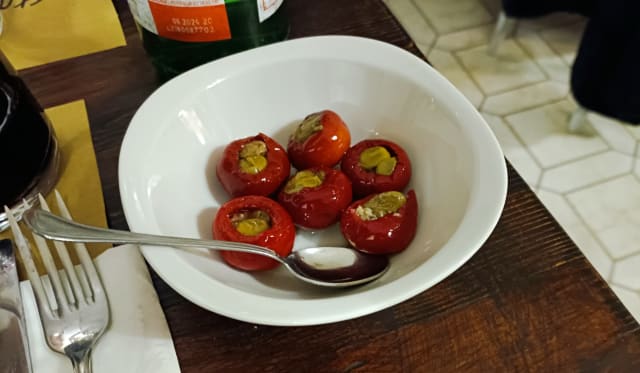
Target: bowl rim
x,y
485,205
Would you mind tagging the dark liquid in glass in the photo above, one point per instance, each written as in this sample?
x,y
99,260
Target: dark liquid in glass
x,y
172,57
26,141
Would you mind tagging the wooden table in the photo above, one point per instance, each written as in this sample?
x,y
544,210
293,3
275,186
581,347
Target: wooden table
x,y
527,301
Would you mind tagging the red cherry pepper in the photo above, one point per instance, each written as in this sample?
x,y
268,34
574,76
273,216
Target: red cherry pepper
x,y
320,140
390,233
366,181
238,182
279,236
318,206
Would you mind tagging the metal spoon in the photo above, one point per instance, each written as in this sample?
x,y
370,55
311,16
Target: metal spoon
x,y
323,266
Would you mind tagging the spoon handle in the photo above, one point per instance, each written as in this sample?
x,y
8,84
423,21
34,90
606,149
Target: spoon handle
x,y
55,227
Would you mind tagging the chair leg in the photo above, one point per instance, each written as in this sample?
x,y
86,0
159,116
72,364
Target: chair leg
x,y
577,122
504,28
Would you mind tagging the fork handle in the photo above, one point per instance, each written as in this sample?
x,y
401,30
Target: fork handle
x,y
81,362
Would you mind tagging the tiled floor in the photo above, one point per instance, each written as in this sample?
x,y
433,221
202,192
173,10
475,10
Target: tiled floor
x,y
590,181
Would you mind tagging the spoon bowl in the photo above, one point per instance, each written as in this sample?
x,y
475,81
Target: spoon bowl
x,y
322,266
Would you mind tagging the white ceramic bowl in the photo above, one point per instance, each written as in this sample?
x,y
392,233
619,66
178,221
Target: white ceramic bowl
x,y
168,157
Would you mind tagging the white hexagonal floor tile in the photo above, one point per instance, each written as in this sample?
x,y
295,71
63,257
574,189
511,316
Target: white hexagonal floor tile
x,y
511,67
448,16
514,150
544,131
626,272
638,168
552,64
634,131
412,21
614,133
579,233
612,211
448,66
630,299
525,98
493,6
586,171
465,39
564,40
550,21
559,207
591,248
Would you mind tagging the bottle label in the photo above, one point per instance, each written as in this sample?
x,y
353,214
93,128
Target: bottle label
x,y
266,8
191,20
184,20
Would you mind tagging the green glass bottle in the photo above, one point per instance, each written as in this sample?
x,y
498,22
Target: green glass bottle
x,y
181,34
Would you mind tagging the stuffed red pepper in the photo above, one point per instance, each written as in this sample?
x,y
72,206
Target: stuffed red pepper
x,y
320,140
382,223
376,166
255,165
315,197
256,220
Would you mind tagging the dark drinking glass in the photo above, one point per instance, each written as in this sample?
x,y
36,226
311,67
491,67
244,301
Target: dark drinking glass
x,y
28,147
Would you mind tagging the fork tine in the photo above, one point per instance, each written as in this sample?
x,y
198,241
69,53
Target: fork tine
x,y
50,293
63,253
32,272
72,333
81,250
52,271
84,281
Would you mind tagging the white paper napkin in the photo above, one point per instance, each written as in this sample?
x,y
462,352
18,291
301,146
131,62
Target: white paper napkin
x,y
137,338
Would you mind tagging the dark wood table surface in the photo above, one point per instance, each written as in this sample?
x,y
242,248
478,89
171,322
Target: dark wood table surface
x,y
527,301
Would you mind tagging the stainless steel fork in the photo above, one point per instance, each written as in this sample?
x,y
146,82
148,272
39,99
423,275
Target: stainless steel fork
x,y
72,303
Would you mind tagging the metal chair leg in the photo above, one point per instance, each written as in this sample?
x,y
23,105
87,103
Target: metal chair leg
x,y
577,122
504,28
